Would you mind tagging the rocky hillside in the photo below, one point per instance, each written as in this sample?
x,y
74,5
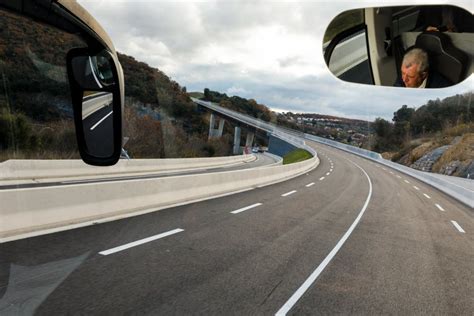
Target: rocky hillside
x,y
454,156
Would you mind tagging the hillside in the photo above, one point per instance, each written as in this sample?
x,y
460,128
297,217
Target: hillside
x,y
36,113
436,137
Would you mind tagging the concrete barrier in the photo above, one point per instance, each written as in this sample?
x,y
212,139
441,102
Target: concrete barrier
x,y
30,212
43,169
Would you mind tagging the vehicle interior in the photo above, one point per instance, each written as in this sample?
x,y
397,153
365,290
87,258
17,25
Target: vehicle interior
x,y
382,35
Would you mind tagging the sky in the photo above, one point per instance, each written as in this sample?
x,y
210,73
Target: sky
x,y
270,51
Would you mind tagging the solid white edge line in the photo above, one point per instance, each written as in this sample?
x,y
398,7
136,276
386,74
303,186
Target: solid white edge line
x,y
101,120
140,242
246,208
321,179
458,227
439,207
310,184
288,193
427,196
310,280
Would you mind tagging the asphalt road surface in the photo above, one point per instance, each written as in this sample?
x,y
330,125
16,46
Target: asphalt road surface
x,y
350,237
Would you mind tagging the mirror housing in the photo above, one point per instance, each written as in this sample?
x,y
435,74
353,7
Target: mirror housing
x,y
97,91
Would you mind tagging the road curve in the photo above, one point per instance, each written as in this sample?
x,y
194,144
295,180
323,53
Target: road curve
x,y
249,253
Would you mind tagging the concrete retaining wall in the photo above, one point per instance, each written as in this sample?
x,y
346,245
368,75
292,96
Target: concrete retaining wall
x,y
33,211
39,169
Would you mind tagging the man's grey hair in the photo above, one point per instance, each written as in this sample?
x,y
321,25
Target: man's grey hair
x,y
417,56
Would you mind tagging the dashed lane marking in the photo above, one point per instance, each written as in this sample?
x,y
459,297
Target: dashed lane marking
x,y
439,207
289,193
458,227
416,188
243,209
140,242
427,196
406,181
321,179
310,184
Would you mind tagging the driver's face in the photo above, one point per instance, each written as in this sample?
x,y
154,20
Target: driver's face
x,y
411,77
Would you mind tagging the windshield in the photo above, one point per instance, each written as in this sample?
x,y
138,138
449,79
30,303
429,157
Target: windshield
x,y
257,176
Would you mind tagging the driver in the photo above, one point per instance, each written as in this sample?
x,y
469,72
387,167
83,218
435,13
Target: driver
x,y
416,72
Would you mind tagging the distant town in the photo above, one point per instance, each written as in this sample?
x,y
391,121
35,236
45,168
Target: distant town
x,y
351,131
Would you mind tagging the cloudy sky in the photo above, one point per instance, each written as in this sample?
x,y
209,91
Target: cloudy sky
x,y
270,51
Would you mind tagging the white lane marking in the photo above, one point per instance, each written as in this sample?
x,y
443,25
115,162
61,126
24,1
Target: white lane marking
x,y
328,173
416,188
330,170
391,172
427,196
321,179
288,193
310,184
399,177
140,242
439,207
246,208
378,166
97,124
458,227
406,181
312,278
384,168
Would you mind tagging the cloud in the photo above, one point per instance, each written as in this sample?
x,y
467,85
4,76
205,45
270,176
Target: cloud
x,y
270,51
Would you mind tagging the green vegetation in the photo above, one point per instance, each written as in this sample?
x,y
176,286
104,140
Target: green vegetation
x,y
296,155
36,112
451,117
250,106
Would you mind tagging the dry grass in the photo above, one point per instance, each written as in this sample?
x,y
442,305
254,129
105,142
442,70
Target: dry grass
x,y
463,151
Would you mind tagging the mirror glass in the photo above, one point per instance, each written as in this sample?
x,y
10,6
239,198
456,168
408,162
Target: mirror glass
x,y
97,122
402,46
95,81
93,72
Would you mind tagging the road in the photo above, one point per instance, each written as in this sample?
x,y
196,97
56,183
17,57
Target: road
x,y
350,237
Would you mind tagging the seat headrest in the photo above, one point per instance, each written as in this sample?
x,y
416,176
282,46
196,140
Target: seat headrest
x,y
444,57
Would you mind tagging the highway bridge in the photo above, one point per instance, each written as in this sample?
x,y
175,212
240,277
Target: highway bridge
x,y
352,236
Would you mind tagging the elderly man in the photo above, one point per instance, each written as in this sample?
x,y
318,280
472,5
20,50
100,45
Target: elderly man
x,y
416,72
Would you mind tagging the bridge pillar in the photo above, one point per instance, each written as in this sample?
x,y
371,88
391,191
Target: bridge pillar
x,y
215,132
249,139
237,140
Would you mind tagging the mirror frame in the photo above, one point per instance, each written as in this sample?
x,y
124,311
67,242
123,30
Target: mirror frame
x,y
117,90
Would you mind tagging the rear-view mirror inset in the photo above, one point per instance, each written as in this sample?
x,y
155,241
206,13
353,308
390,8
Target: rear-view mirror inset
x,y
409,46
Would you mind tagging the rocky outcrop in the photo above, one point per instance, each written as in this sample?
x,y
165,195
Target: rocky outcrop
x,y
426,162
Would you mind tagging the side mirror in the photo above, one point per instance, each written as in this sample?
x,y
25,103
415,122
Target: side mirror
x,y
96,81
